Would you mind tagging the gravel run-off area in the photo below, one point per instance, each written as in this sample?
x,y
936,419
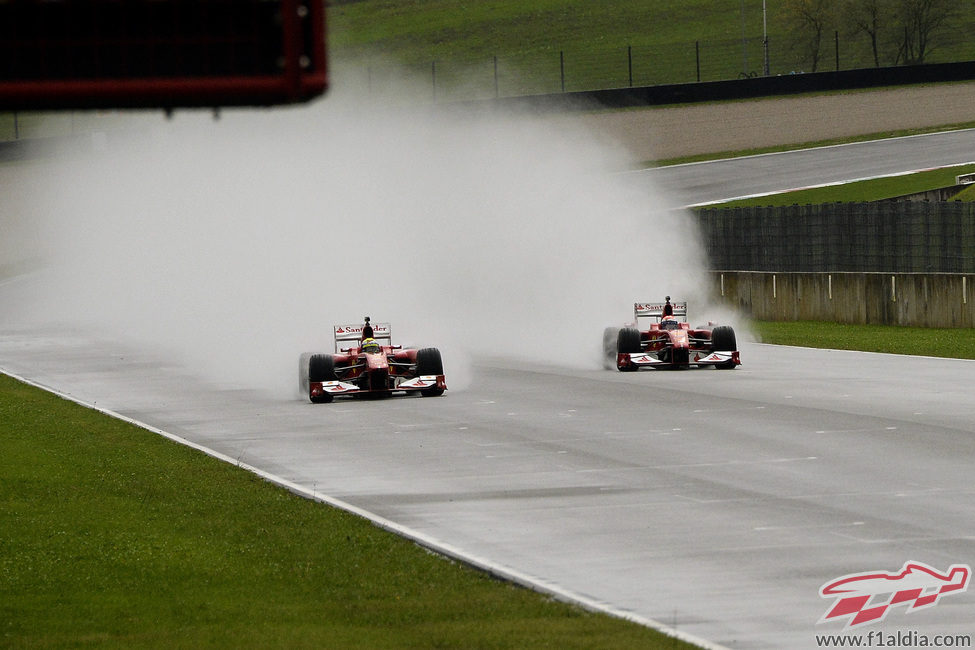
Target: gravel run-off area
x,y
694,129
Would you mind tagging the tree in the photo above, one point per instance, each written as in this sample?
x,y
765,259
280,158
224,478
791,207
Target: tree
x,y
920,20
807,21
867,17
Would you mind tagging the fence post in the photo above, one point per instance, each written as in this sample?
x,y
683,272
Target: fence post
x,y
836,37
433,71
697,59
629,62
496,76
562,68
765,67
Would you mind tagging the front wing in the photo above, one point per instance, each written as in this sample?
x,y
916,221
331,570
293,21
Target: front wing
x,y
649,359
319,388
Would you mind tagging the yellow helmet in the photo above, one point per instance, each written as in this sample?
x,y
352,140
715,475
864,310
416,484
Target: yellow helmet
x,y
370,345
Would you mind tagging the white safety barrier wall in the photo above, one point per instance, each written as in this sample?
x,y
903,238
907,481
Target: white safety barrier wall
x,y
909,299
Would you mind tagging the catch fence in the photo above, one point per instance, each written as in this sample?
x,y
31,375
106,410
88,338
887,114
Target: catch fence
x,y
884,236
584,67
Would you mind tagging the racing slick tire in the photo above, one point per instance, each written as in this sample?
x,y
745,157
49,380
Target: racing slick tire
x,y
627,341
429,362
723,340
321,367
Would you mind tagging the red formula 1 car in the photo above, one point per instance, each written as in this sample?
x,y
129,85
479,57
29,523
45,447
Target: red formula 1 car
x,y
368,367
670,342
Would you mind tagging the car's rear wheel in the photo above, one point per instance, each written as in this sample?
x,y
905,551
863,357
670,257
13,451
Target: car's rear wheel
x,y
723,340
429,362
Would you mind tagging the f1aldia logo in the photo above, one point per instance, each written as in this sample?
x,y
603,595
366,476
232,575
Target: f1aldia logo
x,y
866,598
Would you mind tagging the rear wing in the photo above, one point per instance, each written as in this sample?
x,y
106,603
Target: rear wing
x,y
354,333
656,310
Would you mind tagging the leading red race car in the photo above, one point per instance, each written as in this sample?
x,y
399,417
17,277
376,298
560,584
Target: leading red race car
x,y
669,342
369,367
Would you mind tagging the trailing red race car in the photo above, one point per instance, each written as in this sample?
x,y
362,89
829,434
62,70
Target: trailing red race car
x,y
670,342
369,367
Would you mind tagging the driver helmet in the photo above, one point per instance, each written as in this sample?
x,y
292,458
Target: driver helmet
x,y
668,323
370,345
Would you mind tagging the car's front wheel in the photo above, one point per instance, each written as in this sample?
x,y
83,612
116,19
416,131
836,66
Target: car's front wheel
x,y
723,340
628,342
429,362
321,367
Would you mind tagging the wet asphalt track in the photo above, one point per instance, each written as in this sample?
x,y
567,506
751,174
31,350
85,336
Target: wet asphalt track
x,y
721,180
715,502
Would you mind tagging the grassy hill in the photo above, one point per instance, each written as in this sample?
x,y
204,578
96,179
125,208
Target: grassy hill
x,y
602,45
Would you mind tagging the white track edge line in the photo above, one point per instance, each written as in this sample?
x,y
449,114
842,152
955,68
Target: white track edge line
x,y
888,354
426,541
821,147
817,186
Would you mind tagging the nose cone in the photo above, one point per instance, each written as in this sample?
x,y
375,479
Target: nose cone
x,y
376,361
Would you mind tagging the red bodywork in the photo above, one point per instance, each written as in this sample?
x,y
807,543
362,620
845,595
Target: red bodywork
x,y
353,371
671,342
674,348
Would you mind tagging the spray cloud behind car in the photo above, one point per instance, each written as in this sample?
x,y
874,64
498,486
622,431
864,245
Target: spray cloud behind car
x,y
234,244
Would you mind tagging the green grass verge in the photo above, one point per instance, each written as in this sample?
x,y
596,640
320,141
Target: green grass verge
x,y
860,191
112,536
968,194
952,343
595,35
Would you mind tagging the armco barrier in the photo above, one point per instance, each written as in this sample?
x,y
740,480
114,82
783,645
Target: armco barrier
x,y
908,299
777,85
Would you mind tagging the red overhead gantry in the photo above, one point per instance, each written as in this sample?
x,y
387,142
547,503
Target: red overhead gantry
x,y
77,54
